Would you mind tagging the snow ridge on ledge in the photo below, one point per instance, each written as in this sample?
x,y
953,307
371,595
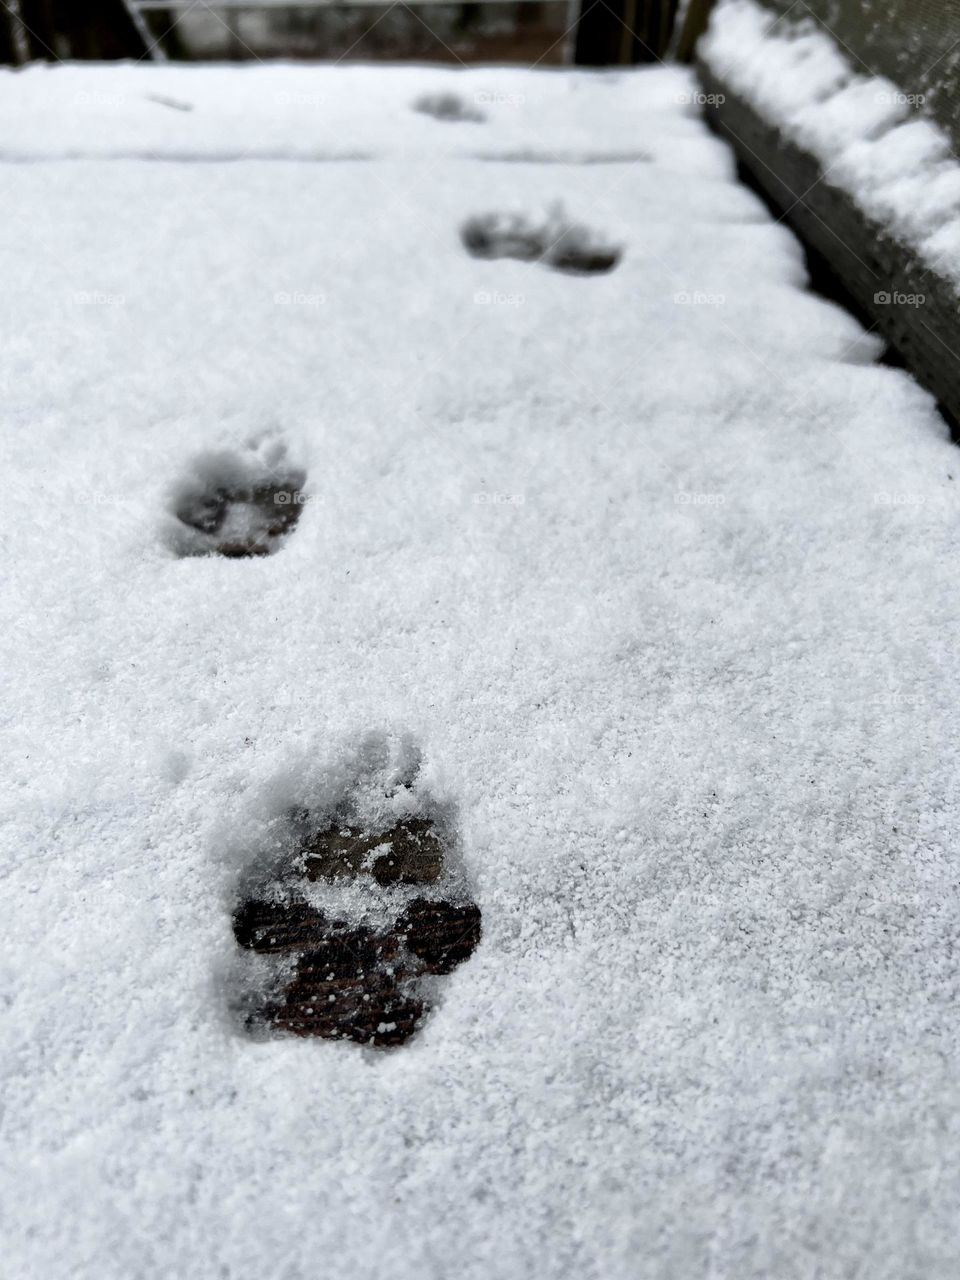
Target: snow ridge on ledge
x,y
862,129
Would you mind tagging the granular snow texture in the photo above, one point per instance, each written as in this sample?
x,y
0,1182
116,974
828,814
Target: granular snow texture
x,y
897,165
654,574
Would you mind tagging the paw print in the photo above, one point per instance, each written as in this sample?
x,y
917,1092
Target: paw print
x,y
448,107
559,243
236,505
367,909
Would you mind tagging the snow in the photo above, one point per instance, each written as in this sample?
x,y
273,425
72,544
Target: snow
x,y
657,570
870,142
304,112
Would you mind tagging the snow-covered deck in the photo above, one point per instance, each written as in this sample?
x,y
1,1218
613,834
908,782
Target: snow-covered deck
x,y
657,568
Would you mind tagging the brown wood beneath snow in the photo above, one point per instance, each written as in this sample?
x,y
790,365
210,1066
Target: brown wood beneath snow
x,y
354,982
410,852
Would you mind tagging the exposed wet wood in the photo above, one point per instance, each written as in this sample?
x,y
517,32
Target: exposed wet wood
x,y
410,852
353,981
441,934
278,926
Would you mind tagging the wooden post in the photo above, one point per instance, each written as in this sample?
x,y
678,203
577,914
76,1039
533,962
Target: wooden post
x,y
14,41
623,32
694,25
164,36
60,29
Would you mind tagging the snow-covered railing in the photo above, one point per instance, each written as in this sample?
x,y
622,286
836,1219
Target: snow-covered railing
x,y
866,176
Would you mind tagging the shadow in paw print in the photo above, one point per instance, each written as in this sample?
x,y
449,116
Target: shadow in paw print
x,y
236,505
366,908
557,242
448,106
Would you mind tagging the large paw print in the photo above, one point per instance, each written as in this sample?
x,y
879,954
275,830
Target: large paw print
x,y
557,242
366,910
236,504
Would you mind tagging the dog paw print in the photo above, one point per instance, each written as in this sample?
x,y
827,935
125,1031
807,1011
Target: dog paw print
x,y
449,107
236,505
557,242
366,911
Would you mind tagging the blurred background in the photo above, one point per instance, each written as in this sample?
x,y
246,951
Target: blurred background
x,y
528,32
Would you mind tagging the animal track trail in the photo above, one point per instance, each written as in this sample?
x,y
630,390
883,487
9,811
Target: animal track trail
x,y
450,107
557,242
237,504
364,913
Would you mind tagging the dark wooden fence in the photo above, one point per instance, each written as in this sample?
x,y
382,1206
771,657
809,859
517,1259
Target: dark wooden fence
x,y
624,31
57,29
608,32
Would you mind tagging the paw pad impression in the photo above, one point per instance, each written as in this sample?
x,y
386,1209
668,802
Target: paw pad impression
x,y
557,242
236,505
448,106
366,909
